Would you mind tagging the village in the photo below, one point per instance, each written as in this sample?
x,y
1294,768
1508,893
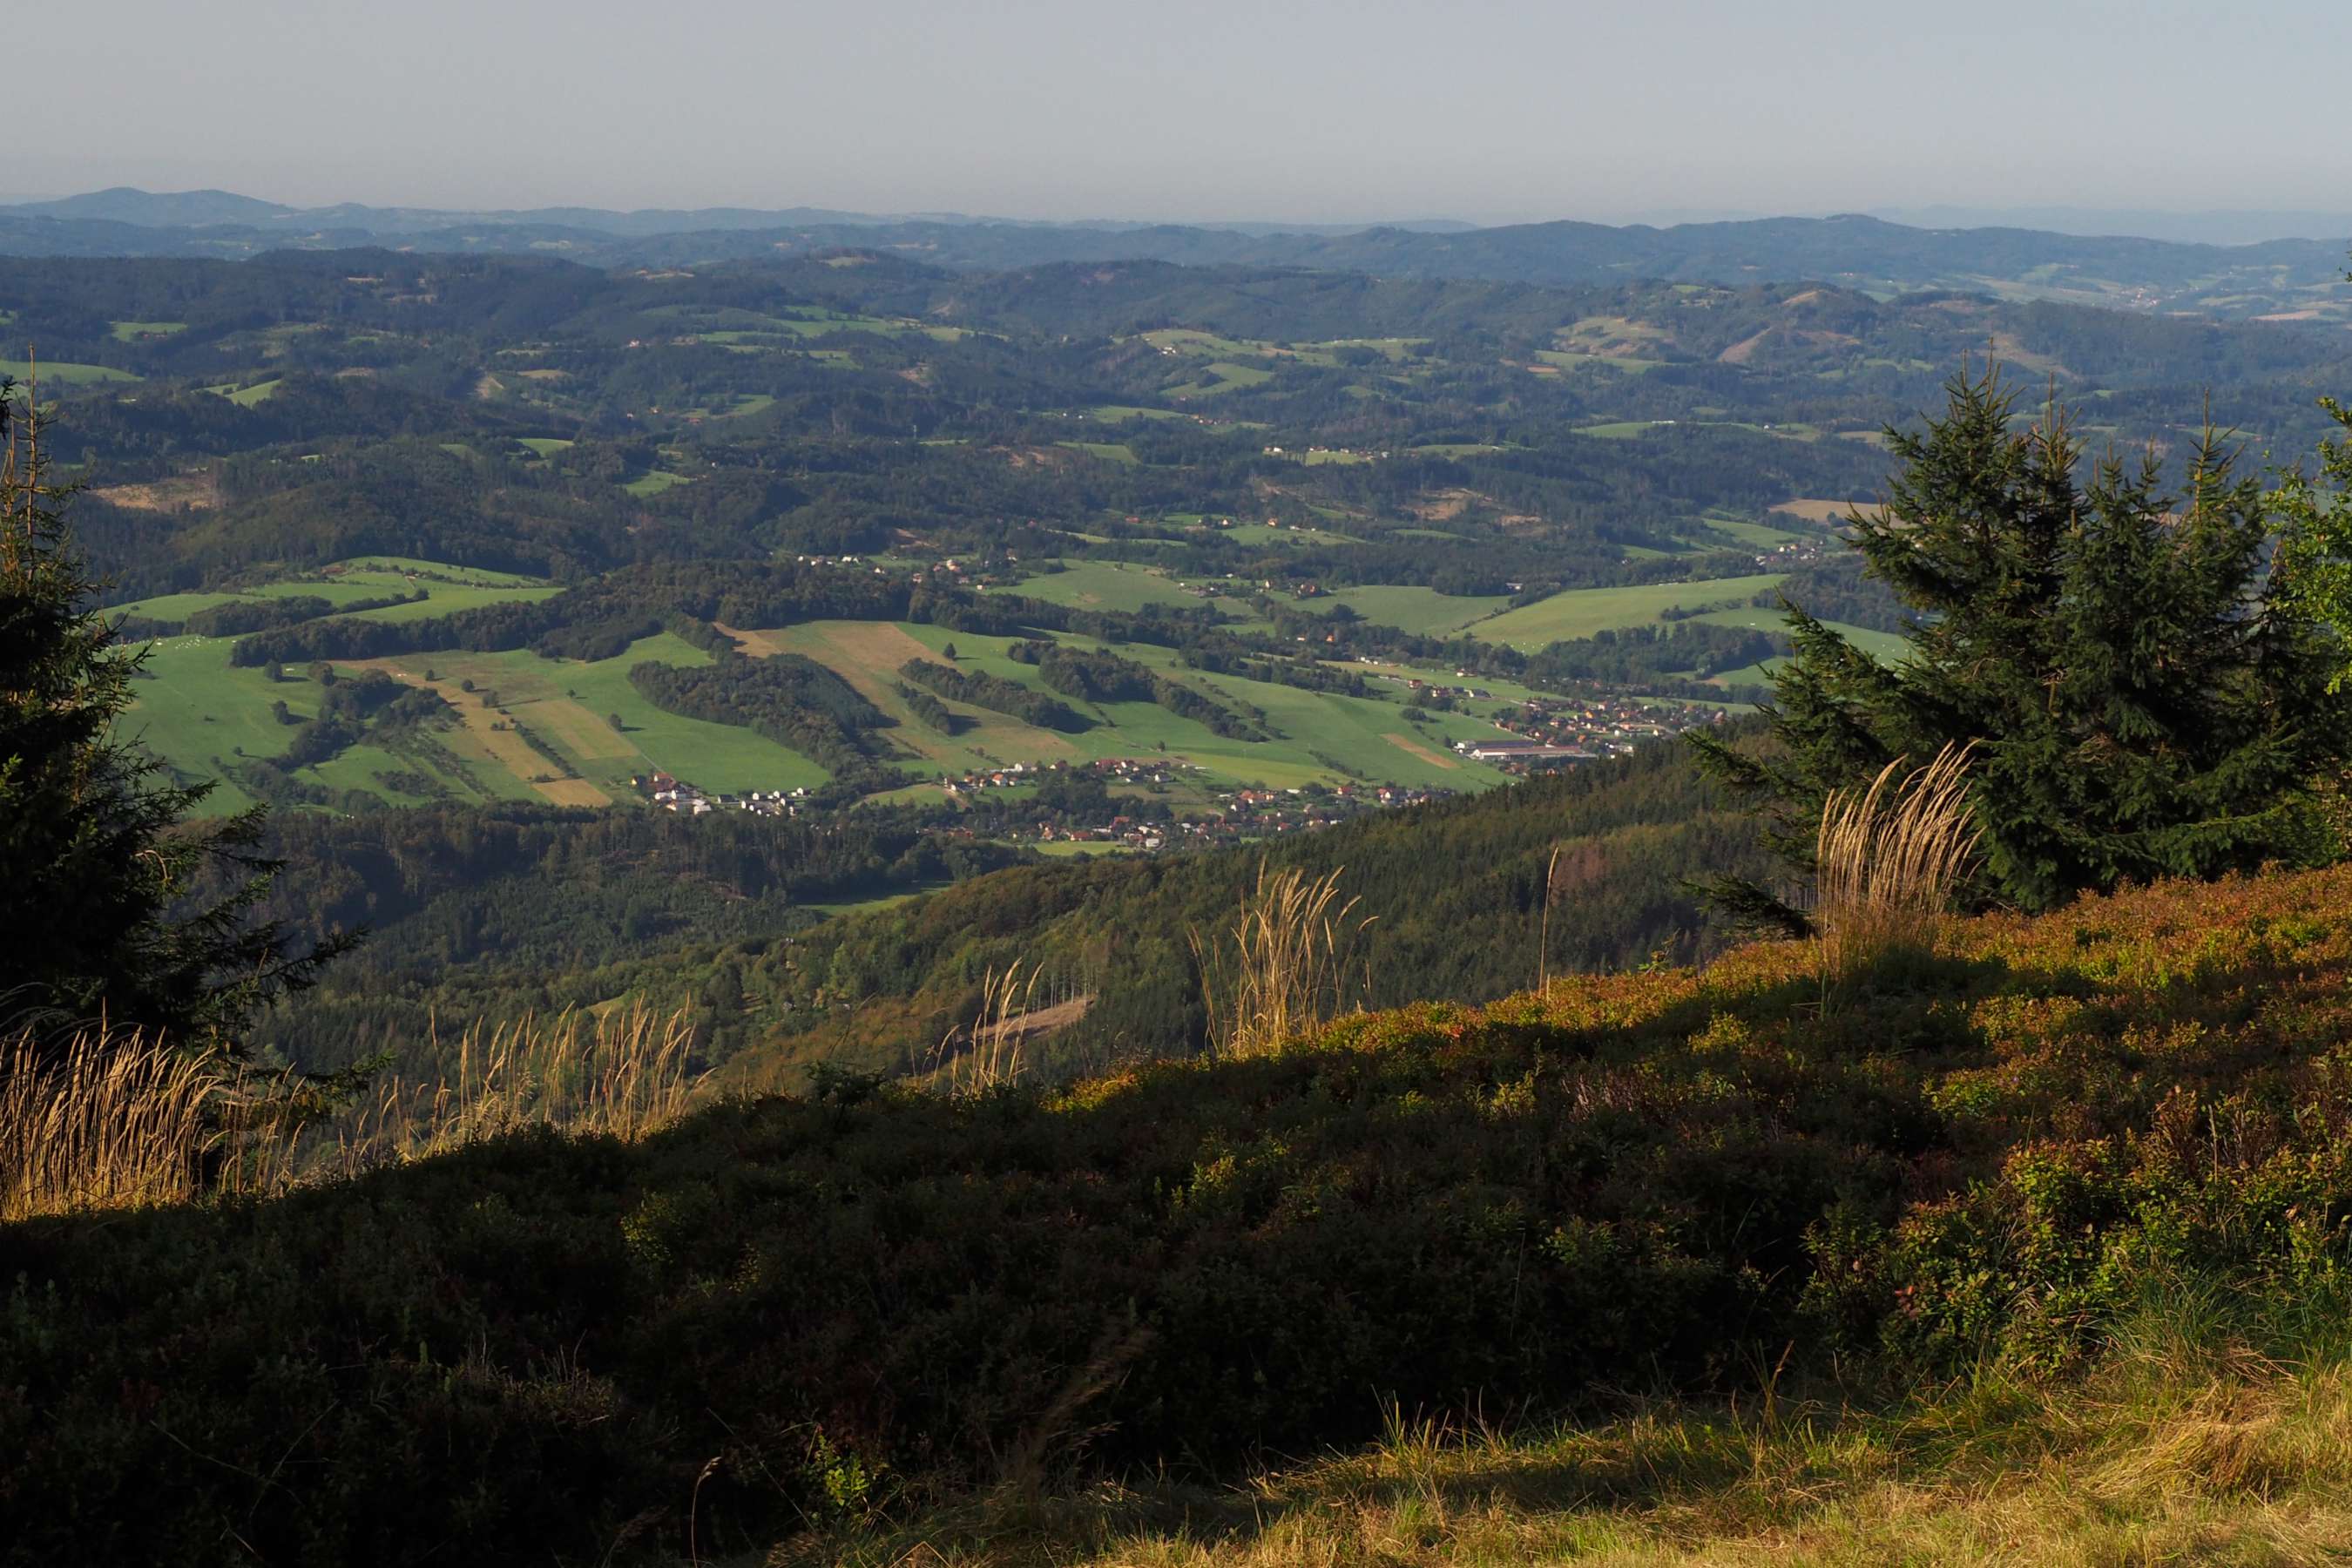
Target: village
x,y
1583,730
1150,826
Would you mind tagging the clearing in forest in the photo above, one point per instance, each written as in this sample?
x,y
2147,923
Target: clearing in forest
x,y
505,746
1580,612
869,654
586,734
1816,509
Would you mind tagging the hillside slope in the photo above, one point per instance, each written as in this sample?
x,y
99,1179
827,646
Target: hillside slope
x,y
869,1298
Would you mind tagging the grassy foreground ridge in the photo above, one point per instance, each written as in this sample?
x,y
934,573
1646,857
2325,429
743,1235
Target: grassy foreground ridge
x,y
2090,1167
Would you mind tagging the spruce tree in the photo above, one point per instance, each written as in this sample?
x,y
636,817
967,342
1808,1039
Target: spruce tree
x,y
119,905
2143,705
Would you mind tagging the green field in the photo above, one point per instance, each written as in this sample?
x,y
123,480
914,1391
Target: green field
x,y
1424,612
716,756
132,331
1106,585
205,719
449,588
570,705
1121,413
1260,533
656,482
1580,612
1225,376
63,370
1759,535
1323,738
543,446
1885,646
246,397
1192,343
1108,451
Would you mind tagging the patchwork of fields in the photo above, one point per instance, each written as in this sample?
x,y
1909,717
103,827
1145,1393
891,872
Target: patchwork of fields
x,y
1321,737
575,733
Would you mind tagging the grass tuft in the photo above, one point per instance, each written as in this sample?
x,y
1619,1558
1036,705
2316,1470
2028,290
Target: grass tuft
x,y
114,1120
2179,1447
987,1054
121,1119
1284,971
624,1074
1888,859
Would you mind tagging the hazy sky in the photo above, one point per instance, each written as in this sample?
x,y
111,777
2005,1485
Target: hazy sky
x,y
1308,110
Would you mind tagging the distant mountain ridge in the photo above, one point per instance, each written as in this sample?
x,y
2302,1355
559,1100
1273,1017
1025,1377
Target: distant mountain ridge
x,y
2285,277
123,203
209,208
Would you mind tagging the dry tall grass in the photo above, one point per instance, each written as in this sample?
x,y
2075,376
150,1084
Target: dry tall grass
x,y
623,1073
992,1053
116,1120
1887,862
1283,972
2215,1455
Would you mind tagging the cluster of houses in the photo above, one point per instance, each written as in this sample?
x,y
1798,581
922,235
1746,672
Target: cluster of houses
x,y
1010,776
1430,691
1244,814
1116,770
1581,729
669,793
1781,557
1329,454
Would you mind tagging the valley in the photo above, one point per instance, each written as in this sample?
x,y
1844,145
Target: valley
x,y
1106,785
1130,559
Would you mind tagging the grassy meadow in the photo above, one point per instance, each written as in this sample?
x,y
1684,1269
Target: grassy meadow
x,y
1323,738
1120,585
65,371
551,736
1581,612
447,589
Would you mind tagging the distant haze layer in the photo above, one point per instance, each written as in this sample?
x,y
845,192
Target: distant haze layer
x,y
1309,110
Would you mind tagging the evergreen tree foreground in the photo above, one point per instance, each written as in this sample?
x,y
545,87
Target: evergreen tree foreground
x,y
2148,700
122,907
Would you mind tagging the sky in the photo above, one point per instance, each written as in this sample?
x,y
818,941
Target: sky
x,y
1305,110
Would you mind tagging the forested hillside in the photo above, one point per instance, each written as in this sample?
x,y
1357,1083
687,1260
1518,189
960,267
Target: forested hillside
x,y
1850,248
484,915
898,572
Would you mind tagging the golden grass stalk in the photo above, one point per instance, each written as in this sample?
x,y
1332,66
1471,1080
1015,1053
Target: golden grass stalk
x,y
113,1121
1543,932
1887,861
120,1119
623,1073
992,1053
1283,970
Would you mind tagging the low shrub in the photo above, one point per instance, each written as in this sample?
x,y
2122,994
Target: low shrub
x,y
568,1348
